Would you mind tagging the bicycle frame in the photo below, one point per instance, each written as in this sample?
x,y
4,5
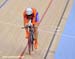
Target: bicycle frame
x,y
31,35
31,38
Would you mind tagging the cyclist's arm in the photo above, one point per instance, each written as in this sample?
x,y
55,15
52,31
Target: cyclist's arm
x,y
25,20
37,18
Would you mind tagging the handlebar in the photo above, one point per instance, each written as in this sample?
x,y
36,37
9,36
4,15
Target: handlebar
x,y
27,27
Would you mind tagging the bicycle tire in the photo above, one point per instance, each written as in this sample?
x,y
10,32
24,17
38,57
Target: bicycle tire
x,y
29,46
32,42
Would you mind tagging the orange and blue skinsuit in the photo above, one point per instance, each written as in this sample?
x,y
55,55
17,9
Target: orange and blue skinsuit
x,y
35,22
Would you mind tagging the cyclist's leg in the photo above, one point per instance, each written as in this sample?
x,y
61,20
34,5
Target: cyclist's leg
x,y
26,33
36,37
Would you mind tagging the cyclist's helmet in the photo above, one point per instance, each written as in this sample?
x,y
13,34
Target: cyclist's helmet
x,y
29,11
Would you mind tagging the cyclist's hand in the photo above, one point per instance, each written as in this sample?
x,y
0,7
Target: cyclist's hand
x,y
30,23
36,25
25,26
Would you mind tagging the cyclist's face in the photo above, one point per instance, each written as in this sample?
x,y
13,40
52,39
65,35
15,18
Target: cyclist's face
x,y
29,16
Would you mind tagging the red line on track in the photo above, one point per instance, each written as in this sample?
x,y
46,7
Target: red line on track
x,y
22,53
46,11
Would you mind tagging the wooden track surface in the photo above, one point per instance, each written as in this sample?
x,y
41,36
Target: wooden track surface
x,y
12,37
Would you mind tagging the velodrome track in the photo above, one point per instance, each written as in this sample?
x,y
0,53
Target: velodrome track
x,y
53,15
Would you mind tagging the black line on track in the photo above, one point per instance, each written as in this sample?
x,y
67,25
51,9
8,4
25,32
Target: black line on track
x,y
56,29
